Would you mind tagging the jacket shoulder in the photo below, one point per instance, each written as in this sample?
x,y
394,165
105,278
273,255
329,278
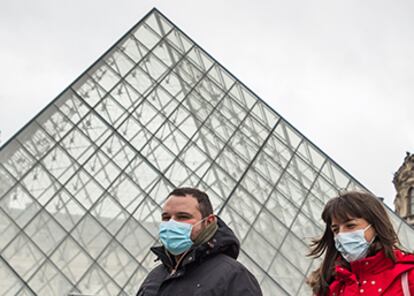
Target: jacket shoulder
x,y
404,265
228,263
240,280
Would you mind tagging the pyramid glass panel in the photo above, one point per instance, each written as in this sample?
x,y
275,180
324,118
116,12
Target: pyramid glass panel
x,y
83,183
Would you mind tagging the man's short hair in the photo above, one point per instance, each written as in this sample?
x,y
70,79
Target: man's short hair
x,y
204,203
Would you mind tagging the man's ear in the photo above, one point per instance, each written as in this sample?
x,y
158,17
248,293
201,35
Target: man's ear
x,y
211,218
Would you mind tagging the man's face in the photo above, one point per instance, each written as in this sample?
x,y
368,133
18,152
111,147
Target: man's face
x,y
183,209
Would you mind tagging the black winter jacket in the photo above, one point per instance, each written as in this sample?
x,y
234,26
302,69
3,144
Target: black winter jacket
x,y
210,269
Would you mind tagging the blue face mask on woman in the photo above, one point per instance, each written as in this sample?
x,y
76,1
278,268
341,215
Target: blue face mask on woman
x,y
353,245
176,236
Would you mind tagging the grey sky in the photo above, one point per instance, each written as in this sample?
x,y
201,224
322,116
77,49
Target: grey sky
x,y
342,72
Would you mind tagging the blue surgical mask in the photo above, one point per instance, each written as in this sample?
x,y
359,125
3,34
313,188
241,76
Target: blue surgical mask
x,y
176,236
353,245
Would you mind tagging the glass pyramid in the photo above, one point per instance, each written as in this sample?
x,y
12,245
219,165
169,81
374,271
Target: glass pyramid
x,y
82,184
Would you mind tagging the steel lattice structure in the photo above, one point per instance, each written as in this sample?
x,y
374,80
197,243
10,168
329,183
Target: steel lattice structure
x,y
82,184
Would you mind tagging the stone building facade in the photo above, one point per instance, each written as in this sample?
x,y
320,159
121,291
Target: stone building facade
x,y
404,184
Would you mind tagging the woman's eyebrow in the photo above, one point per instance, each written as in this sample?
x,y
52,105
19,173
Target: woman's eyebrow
x,y
346,221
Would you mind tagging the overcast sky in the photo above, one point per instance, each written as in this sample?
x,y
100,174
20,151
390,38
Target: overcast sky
x,y
342,72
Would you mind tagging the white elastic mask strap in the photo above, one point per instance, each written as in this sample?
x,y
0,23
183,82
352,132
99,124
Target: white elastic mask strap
x,y
200,221
365,229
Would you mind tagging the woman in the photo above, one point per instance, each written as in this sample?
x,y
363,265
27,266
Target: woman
x,y
360,248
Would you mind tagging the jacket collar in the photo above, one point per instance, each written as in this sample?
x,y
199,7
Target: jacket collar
x,y
379,262
372,264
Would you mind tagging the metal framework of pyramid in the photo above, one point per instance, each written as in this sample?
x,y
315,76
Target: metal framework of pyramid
x,y
82,184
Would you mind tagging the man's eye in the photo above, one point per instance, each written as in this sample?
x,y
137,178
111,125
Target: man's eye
x,y
183,218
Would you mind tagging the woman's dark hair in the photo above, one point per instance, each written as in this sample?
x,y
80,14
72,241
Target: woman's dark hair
x,y
204,203
350,205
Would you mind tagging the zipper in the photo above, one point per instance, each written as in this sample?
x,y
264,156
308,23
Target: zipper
x,y
174,270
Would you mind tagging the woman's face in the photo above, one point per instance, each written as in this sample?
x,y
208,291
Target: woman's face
x,y
352,224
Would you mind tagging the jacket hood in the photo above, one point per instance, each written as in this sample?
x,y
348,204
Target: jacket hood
x,y
223,241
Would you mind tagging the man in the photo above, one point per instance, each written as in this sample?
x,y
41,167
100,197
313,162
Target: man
x,y
198,253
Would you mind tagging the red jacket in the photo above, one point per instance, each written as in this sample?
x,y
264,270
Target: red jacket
x,y
375,275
